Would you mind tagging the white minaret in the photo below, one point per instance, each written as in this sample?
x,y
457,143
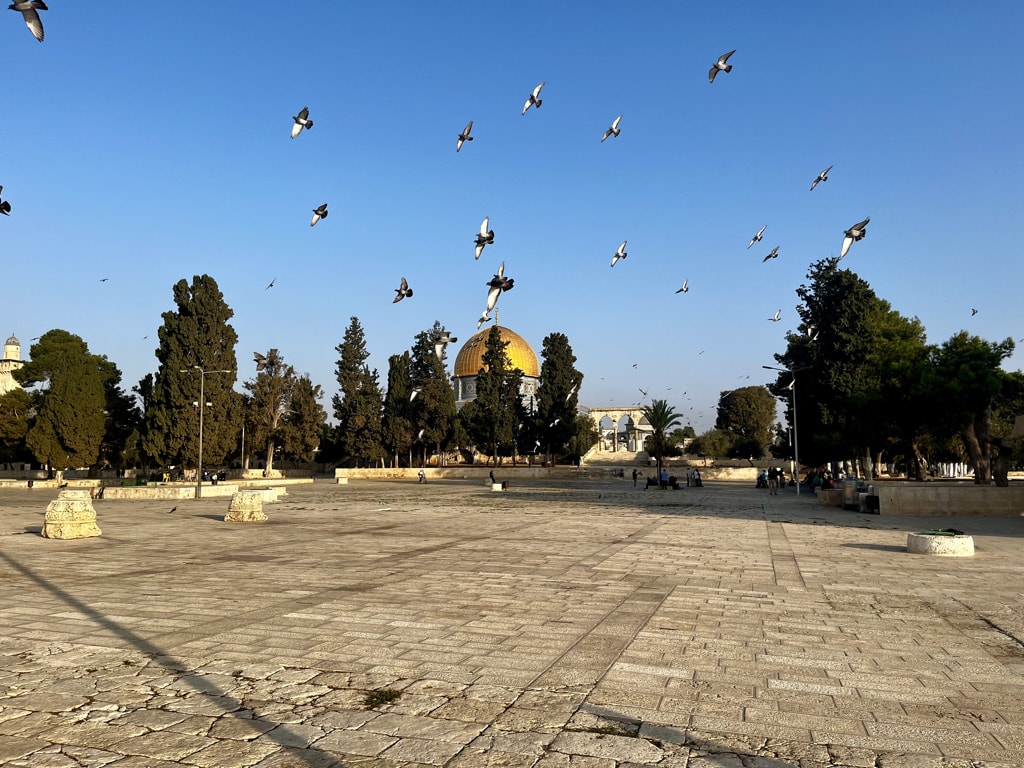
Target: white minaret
x,y
11,361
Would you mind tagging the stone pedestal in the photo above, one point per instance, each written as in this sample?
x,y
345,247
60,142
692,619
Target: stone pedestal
x,y
246,507
71,516
342,481
940,544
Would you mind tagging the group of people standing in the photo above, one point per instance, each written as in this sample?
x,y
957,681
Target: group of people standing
x,y
771,479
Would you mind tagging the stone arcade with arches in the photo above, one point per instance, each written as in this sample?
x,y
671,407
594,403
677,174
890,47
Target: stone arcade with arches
x,y
621,428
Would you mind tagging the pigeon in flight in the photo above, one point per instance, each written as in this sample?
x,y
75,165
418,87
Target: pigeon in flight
x,y
172,509
270,284
419,435
620,253
973,312
757,238
28,10
464,136
5,207
403,290
642,391
823,176
534,100
484,318
301,121
572,391
320,212
496,285
720,66
773,255
442,342
853,234
104,279
777,316
260,360
485,236
553,423
613,130
415,391
685,286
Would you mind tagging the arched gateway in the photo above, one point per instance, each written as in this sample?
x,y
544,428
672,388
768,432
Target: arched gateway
x,y
621,429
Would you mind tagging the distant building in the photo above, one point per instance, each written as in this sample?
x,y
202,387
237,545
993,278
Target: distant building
x,y
9,364
470,360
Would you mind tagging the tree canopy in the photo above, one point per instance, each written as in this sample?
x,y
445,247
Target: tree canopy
x,y
196,352
358,404
70,419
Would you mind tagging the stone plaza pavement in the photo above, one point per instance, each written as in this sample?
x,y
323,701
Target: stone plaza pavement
x,y
578,624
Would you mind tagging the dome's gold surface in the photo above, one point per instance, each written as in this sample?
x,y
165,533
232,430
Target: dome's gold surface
x,y
470,359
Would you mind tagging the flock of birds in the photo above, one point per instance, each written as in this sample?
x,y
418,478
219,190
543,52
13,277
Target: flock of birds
x,y
499,283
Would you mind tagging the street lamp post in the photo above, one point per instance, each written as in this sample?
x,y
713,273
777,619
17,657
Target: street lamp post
x,y
202,402
796,440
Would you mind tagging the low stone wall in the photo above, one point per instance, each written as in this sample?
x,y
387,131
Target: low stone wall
x,y
169,491
508,472
948,498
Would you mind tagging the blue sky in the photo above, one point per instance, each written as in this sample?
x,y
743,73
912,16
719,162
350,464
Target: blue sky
x,y
149,142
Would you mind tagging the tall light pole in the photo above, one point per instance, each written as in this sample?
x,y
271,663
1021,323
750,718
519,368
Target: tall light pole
x,y
202,402
796,441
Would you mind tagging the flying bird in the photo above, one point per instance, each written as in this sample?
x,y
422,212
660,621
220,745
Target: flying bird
x,y
28,9
496,285
464,136
442,342
685,286
553,423
620,253
5,207
757,238
104,279
973,312
485,236
642,391
777,316
403,290
613,130
415,391
270,284
484,318
172,509
260,360
773,255
534,100
419,435
853,234
720,66
572,391
823,176
301,121
320,212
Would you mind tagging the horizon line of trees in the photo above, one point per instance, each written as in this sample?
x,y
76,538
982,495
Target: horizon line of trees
x,y
73,411
868,387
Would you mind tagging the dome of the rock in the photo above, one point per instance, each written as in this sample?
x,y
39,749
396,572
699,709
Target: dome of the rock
x,y
469,361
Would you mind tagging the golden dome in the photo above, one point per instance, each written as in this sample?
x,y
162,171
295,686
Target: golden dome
x,y
470,359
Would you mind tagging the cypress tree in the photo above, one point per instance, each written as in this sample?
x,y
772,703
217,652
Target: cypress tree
x,y
196,337
357,406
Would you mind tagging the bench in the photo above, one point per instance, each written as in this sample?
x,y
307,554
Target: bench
x,y
672,483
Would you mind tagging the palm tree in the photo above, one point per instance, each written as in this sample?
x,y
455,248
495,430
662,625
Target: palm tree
x,y
662,418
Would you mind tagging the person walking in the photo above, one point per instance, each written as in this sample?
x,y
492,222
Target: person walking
x,y
634,477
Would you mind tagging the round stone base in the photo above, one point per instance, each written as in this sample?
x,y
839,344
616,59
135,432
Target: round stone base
x,y
946,546
246,507
70,516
